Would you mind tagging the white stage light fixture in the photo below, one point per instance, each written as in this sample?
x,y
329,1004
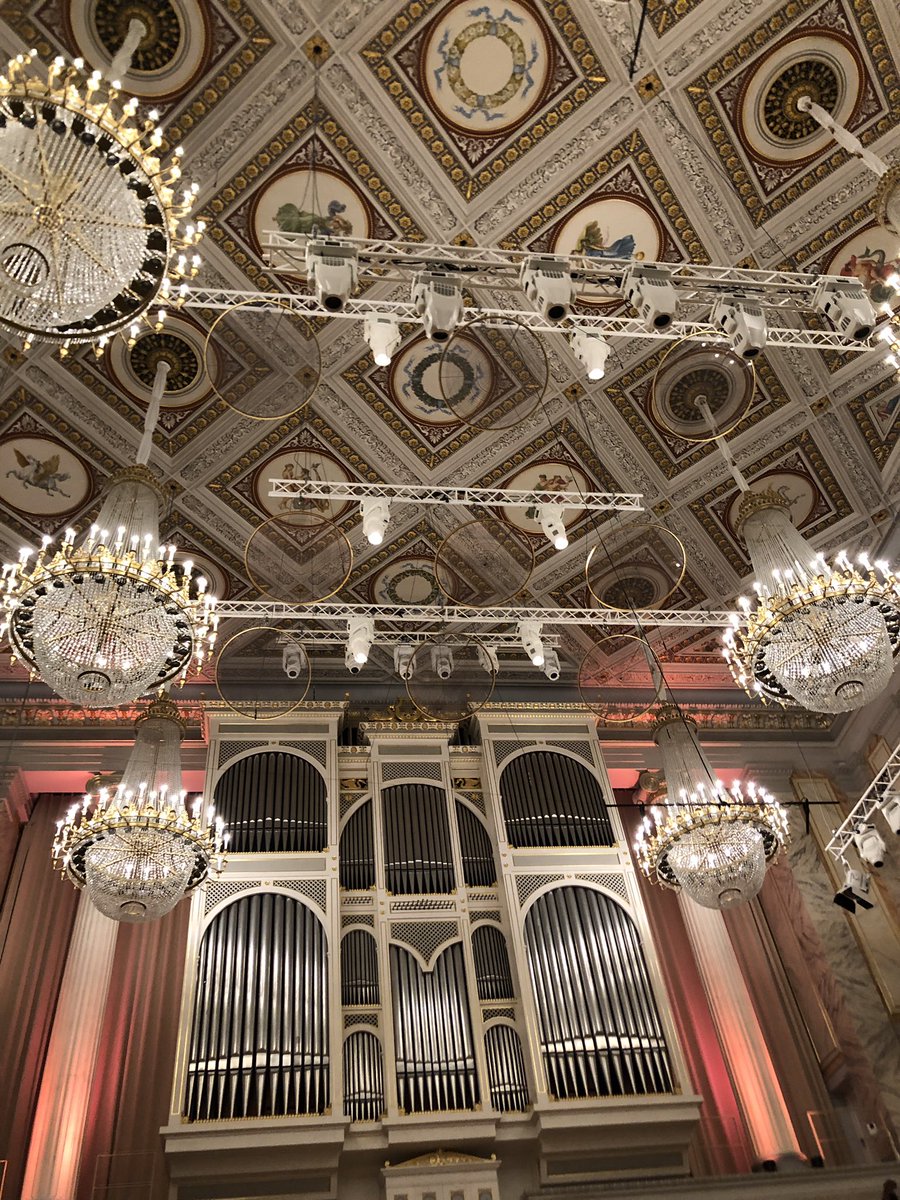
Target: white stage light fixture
x,y
847,307
360,635
551,522
375,512
551,665
488,660
592,351
547,282
292,661
383,337
333,270
650,291
744,324
404,663
530,635
442,661
437,298
890,810
870,845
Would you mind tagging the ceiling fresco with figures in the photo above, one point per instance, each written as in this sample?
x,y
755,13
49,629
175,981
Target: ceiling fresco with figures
x,y
515,124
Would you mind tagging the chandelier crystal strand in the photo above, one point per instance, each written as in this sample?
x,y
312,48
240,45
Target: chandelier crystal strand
x,y
95,227
106,620
821,635
138,849
711,841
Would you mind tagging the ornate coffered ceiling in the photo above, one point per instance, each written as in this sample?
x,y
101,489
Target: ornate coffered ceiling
x,y
511,123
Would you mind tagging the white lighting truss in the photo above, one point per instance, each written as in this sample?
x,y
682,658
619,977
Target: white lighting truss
x,y
404,493
879,796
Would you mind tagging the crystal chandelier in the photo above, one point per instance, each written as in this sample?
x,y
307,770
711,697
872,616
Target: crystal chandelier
x,y
137,850
105,620
710,841
821,636
94,227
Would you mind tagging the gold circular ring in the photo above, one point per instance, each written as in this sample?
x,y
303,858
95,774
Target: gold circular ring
x,y
658,603
307,518
254,714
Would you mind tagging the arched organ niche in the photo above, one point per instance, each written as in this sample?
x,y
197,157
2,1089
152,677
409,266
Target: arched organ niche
x,y
600,1030
506,1069
479,866
259,1036
418,855
492,974
356,871
273,803
363,1077
435,1056
550,800
359,969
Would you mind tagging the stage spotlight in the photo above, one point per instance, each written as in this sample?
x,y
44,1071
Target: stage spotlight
x,y
551,522
403,660
332,269
854,891
650,291
870,845
530,636
383,337
890,810
360,635
592,351
442,661
375,512
551,665
547,283
437,298
292,661
845,303
488,660
743,323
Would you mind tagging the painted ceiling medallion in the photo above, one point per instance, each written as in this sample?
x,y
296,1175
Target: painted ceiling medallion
x,y
481,85
701,390
162,40
41,477
149,351
486,68
407,581
811,78
436,387
300,464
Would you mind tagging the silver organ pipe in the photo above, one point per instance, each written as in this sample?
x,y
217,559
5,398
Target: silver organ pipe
x,y
478,863
550,799
417,849
357,850
433,1033
273,803
359,969
492,974
600,1029
506,1069
259,1039
363,1077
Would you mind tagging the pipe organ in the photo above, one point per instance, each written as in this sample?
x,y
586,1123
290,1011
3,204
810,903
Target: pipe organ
x,y
415,928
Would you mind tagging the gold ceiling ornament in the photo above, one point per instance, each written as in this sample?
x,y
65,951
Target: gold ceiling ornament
x,y
625,581
701,389
821,635
711,841
137,848
493,373
95,226
887,200
107,618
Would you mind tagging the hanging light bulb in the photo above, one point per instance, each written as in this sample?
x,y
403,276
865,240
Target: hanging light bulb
x,y
137,850
111,617
821,635
712,842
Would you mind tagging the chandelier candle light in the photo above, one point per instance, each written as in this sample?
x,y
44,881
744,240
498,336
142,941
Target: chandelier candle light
x,y
104,620
138,849
95,227
711,841
822,636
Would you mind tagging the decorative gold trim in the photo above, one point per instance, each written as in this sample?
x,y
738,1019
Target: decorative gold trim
x,y
658,603
757,501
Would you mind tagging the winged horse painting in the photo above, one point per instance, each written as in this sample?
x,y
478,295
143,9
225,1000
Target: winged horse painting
x,y
43,475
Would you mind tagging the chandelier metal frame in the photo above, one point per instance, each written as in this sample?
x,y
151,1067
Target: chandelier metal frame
x,y
65,102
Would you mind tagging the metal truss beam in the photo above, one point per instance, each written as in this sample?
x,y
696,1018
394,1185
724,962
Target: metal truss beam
x,y
885,786
608,324
386,637
424,614
315,489
492,266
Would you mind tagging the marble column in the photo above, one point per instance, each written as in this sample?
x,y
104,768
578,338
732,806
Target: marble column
x,y
54,1153
752,1071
